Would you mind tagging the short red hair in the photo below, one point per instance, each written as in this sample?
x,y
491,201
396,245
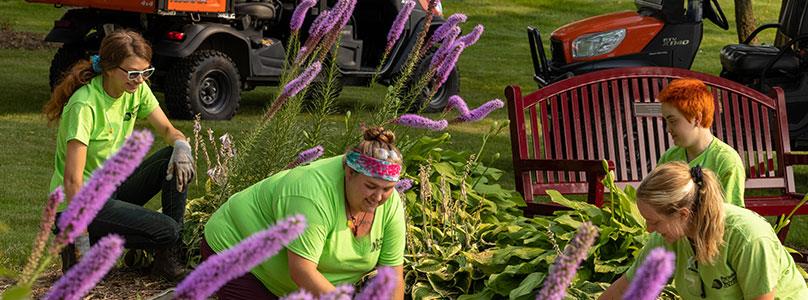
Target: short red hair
x,y
692,98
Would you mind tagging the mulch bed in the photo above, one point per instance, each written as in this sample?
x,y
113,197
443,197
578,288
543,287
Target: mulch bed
x,y
11,39
118,284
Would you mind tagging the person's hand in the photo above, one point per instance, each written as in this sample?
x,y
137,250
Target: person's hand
x,y
181,164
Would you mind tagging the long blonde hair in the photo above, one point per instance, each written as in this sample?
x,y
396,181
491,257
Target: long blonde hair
x,y
671,187
115,48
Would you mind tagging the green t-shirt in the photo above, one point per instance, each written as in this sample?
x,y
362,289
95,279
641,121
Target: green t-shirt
x,y
721,159
751,262
317,192
99,121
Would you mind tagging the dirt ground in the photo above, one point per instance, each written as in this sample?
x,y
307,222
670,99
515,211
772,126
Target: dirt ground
x,y
10,39
118,284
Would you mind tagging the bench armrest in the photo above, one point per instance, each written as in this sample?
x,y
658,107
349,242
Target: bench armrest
x,y
793,159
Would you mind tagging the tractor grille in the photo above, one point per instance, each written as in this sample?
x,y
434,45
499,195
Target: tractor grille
x,y
557,49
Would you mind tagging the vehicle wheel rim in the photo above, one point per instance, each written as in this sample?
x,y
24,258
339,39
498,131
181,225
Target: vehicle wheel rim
x,y
213,90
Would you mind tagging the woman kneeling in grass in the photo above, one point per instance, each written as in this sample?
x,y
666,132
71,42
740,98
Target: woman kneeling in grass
x,y
722,251
355,217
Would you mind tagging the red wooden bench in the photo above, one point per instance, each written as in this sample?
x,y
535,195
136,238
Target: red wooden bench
x,y
561,133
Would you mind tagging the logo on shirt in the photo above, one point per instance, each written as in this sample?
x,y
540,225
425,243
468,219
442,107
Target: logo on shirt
x,y
128,115
376,245
725,281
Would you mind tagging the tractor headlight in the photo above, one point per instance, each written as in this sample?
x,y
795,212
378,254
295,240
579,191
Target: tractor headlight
x,y
597,43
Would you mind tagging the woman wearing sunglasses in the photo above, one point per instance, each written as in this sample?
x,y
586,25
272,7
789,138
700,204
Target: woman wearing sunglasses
x,y
96,104
722,251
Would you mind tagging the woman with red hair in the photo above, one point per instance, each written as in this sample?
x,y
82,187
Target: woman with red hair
x,y
688,108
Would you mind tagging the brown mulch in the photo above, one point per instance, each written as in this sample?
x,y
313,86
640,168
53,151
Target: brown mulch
x,y
118,284
11,39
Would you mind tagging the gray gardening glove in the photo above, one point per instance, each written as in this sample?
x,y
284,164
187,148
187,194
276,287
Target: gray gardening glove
x,y
181,164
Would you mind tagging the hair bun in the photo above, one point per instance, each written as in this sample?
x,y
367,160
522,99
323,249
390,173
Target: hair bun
x,y
380,134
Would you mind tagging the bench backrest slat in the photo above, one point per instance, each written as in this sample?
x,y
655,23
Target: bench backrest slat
x,y
614,115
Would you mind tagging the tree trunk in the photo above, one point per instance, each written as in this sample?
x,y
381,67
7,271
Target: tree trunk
x,y
744,20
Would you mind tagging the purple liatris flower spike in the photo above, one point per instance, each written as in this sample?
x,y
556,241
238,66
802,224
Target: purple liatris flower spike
x,y
404,185
445,29
566,264
219,269
295,86
300,14
380,287
92,196
458,103
299,295
652,276
445,48
472,37
416,121
307,156
448,64
343,292
345,9
398,24
82,277
45,225
481,112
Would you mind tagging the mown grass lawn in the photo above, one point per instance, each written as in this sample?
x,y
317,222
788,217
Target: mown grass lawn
x,y
500,58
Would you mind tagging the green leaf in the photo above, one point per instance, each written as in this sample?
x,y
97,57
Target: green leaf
x,y
527,286
445,169
592,211
422,290
18,292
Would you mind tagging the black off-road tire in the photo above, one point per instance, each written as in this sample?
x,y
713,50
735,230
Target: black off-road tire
x,y
441,98
63,60
206,82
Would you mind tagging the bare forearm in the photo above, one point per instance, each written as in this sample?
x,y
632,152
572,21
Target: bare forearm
x,y
313,281
71,188
173,135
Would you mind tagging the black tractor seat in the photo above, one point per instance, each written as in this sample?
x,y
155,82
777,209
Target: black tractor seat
x,y
260,11
742,59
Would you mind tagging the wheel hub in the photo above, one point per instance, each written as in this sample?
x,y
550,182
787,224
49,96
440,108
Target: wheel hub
x,y
209,91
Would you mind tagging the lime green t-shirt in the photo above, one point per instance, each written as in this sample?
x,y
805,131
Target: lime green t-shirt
x,y
99,121
317,192
721,159
751,262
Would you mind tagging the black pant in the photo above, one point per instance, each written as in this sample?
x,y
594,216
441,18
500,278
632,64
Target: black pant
x,y
124,214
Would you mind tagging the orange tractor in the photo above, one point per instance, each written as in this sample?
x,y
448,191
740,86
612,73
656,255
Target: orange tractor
x,y
207,51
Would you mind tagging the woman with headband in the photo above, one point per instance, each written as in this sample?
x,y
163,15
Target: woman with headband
x,y
722,251
355,222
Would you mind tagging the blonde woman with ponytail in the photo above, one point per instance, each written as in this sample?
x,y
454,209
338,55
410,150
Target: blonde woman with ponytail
x,y
722,251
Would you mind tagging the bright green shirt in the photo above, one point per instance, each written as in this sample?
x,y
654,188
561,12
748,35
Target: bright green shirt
x,y
100,122
721,159
751,262
317,192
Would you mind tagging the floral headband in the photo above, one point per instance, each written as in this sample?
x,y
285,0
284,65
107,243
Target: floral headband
x,y
374,167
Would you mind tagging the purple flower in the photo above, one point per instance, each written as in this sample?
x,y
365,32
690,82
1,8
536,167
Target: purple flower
x,y
459,104
92,196
299,295
473,36
445,29
293,87
307,156
219,269
343,292
381,286
448,64
48,214
345,9
300,14
566,264
417,121
652,276
404,185
445,48
480,112
398,24
81,278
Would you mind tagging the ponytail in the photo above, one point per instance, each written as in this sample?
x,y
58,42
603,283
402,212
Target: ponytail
x,y
79,74
673,186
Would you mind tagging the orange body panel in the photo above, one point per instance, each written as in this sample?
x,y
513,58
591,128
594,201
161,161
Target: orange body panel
x,y
146,6
639,31
209,6
142,6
